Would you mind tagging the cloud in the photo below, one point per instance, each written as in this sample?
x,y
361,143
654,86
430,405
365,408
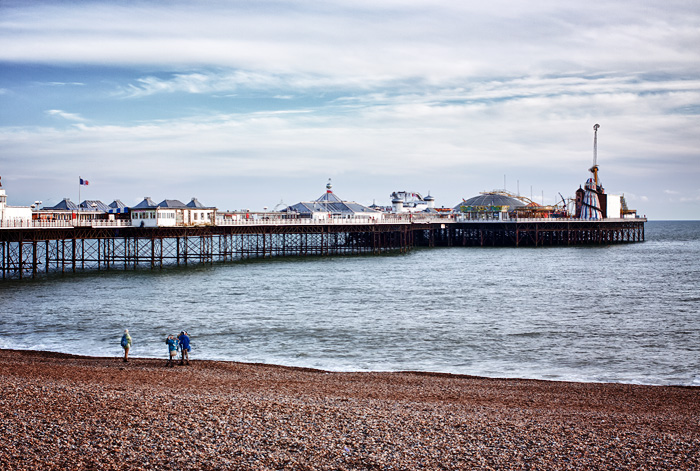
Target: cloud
x,y
483,127
203,82
64,84
470,144
436,41
65,115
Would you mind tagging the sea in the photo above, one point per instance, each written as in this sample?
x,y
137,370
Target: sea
x,y
627,313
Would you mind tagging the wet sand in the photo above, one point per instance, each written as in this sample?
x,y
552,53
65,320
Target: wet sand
x,y
69,412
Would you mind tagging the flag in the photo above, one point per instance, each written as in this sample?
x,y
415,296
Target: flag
x,y
84,182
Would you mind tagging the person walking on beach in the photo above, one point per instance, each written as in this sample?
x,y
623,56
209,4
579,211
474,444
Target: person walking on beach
x,y
126,344
171,342
184,339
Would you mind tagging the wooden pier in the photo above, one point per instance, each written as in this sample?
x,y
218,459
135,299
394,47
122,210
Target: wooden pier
x,y
29,252
540,233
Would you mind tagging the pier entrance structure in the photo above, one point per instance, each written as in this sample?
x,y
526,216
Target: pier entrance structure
x,y
31,251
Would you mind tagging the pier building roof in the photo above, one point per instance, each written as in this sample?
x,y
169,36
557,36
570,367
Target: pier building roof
x,y
339,207
491,199
194,203
98,206
65,205
172,204
146,203
117,206
329,202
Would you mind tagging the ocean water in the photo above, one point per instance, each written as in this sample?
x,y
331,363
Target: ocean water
x,y
622,313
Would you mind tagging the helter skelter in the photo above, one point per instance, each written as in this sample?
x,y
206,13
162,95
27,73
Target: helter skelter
x,y
590,207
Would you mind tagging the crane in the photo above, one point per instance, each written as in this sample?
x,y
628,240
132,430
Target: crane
x,y
594,168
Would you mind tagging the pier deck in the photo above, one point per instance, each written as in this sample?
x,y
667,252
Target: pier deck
x,y
31,251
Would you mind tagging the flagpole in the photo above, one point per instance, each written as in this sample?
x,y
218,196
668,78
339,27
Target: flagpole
x,y
79,185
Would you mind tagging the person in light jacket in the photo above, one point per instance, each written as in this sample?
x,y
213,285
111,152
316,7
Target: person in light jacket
x,y
126,344
171,342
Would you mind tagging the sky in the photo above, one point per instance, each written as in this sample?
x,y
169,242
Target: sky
x,y
256,104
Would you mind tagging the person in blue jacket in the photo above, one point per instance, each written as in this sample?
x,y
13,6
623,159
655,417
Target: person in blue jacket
x,y
184,339
171,342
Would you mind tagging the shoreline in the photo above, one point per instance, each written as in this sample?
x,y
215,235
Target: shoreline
x,y
311,368
79,412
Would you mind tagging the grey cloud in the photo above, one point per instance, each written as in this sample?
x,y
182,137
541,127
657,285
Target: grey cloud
x,y
435,40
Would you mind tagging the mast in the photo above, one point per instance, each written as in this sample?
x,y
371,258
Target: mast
x,y
594,168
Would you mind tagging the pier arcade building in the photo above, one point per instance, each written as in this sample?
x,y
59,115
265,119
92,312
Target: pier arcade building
x,y
169,213
329,205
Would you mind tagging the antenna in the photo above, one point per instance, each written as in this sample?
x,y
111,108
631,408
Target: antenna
x,y
594,168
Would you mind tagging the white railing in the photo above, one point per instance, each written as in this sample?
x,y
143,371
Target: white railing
x,y
15,223
525,220
334,221
116,223
60,223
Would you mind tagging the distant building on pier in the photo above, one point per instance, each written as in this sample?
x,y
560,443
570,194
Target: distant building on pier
x,y
169,213
493,205
411,202
117,207
328,205
13,215
66,210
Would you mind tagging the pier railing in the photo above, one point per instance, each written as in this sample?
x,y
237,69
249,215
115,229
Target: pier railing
x,y
326,222
25,223
404,219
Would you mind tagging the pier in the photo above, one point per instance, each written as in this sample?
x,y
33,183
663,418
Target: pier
x,y
40,249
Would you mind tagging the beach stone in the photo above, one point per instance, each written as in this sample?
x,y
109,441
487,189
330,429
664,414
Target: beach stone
x,y
67,412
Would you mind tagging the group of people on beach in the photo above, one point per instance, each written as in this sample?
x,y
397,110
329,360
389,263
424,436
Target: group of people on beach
x,y
180,343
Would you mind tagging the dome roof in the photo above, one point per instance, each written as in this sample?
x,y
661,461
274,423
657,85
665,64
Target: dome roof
x,y
490,199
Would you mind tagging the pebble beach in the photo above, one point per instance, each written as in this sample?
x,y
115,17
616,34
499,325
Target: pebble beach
x,y
69,412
